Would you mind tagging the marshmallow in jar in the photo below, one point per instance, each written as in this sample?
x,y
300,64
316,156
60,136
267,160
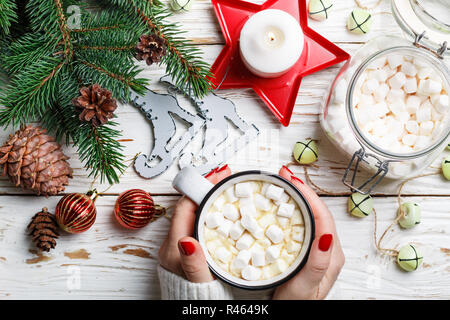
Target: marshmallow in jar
x,y
271,42
399,107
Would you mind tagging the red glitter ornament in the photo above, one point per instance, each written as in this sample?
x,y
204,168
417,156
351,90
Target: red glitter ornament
x,y
135,209
76,212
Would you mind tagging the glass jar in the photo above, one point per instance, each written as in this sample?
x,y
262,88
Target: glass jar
x,y
388,108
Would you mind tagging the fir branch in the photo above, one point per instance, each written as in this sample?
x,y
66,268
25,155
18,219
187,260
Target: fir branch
x,y
8,16
183,60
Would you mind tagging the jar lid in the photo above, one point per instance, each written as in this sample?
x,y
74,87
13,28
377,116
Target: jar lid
x,y
426,20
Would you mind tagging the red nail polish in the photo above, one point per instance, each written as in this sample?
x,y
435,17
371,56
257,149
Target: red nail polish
x,y
211,172
187,247
297,179
286,168
325,242
223,168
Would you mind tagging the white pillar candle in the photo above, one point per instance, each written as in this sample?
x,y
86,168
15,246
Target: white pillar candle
x,y
271,42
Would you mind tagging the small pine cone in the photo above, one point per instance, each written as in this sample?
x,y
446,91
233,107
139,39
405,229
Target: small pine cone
x,y
34,160
150,48
44,230
96,105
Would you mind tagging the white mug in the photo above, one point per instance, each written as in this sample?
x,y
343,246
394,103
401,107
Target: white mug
x,y
193,185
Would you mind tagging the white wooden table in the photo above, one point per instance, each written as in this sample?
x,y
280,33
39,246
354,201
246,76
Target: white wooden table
x,y
109,262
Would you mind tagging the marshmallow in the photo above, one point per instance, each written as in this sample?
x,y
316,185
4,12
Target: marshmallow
x,y
249,223
426,128
409,139
380,109
397,107
242,259
394,60
258,258
420,63
378,63
381,93
229,193
442,103
298,233
262,202
236,230
422,142
264,243
409,69
266,185
245,242
230,212
284,222
248,210
243,190
424,73
370,86
380,75
273,192
431,86
213,219
389,72
280,265
272,253
403,117
275,234
223,254
395,95
219,203
258,233
284,199
412,104
267,220
293,246
225,227
286,210
410,85
289,258
412,126
424,112
251,273
397,81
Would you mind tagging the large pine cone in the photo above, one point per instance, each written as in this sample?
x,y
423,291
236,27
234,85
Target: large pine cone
x,y
150,48
34,160
96,104
44,230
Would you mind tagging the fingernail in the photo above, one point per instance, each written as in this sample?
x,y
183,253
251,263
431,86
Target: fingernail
x,y
223,168
325,242
297,179
211,172
286,168
187,248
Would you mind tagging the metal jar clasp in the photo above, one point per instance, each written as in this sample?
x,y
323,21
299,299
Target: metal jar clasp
x,y
367,186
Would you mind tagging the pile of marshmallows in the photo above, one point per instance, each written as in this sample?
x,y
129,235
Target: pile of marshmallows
x,y
254,230
400,103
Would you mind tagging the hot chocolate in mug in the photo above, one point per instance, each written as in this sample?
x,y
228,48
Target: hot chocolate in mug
x,y
255,228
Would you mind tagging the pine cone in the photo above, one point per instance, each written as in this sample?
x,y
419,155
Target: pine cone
x,y
34,160
44,230
150,48
96,105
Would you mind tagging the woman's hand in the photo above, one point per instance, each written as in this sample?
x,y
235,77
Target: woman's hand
x,y
180,253
326,258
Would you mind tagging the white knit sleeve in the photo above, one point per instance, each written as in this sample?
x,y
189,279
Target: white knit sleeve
x,y
174,287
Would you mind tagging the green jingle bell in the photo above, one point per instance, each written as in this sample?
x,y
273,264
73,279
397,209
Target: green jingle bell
x,y
448,147
360,205
409,258
319,9
181,5
359,21
306,152
411,215
446,168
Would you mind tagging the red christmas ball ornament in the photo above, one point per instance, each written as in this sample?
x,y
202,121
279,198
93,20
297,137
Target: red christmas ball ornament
x,y
135,209
76,212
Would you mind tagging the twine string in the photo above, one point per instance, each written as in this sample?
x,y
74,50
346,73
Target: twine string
x,y
308,179
362,6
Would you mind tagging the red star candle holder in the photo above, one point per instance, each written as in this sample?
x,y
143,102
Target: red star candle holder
x,y
280,93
